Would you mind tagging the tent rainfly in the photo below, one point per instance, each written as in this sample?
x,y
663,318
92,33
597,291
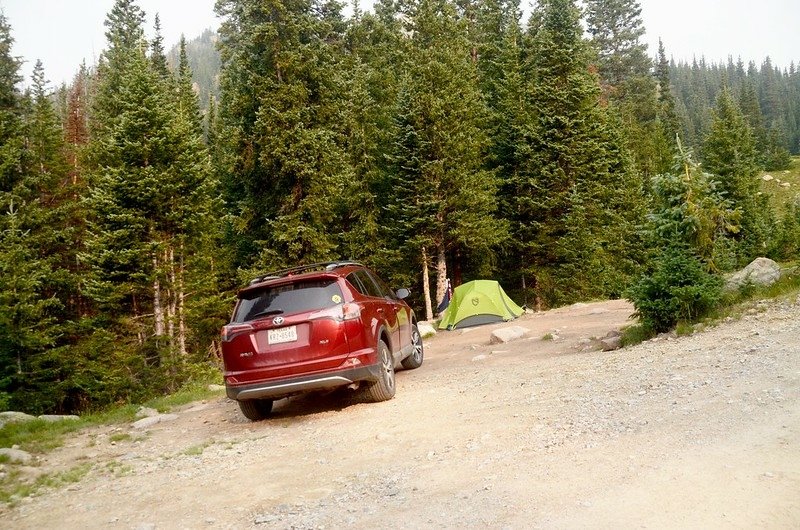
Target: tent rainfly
x,y
479,302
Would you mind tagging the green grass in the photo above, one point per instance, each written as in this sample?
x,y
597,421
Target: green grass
x,y
197,450
118,469
120,437
547,336
636,334
39,436
12,488
778,194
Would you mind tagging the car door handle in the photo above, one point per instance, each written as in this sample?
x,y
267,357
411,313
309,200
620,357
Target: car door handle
x,y
380,310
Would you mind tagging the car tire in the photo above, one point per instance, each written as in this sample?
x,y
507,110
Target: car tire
x,y
384,388
256,409
417,355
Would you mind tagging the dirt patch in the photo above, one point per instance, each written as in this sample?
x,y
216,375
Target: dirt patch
x,y
701,431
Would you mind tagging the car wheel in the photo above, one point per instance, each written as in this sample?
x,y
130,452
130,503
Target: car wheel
x,y
415,359
384,388
256,409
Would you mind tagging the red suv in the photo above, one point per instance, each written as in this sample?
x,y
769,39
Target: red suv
x,y
317,327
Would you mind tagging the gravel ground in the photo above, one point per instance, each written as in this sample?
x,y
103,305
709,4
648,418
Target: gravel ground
x,y
692,432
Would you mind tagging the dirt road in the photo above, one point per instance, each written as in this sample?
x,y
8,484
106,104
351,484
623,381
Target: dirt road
x,y
693,432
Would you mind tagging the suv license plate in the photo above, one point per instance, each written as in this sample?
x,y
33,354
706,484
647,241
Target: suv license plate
x,y
281,335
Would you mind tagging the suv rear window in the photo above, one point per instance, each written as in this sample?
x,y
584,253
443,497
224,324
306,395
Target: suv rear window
x,y
287,299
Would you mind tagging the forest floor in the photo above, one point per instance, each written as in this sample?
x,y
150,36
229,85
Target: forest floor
x,y
700,431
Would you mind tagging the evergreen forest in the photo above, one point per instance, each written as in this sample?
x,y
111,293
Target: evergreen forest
x,y
428,139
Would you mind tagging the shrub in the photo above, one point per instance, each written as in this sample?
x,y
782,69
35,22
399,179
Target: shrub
x,y
678,288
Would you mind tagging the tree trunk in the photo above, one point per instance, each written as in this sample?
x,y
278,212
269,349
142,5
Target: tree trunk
x,y
426,286
441,273
171,308
181,307
158,310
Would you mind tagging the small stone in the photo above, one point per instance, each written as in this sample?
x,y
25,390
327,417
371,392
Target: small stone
x,y
478,358
216,388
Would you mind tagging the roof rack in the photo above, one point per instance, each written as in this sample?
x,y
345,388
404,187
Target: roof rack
x,y
326,265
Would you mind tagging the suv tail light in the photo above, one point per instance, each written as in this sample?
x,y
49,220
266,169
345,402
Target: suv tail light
x,y
231,330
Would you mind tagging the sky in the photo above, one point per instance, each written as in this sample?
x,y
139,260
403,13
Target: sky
x,y
63,33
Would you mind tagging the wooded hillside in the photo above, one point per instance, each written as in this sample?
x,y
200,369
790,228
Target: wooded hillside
x,y
431,136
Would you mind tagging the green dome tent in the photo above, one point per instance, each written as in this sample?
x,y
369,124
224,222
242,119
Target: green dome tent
x,y
479,302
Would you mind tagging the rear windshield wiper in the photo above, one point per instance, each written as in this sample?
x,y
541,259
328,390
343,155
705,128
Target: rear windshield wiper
x,y
266,312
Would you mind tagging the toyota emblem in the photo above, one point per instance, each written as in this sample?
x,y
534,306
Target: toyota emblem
x,y
277,321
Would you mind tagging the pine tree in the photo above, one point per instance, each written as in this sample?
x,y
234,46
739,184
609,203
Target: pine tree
x,y
27,327
369,70
625,75
151,198
616,28
285,167
157,56
729,154
10,111
187,99
444,198
667,125
35,285
574,201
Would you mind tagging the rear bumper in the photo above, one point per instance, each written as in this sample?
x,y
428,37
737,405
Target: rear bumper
x,y
280,388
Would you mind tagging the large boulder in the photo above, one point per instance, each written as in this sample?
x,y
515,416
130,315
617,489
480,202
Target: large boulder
x,y
426,329
761,272
503,335
149,421
54,418
16,456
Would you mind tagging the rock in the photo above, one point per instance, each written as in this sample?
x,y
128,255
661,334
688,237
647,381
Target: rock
x,y
767,178
598,311
479,358
58,417
611,343
16,456
15,417
426,329
146,412
613,333
145,423
761,272
216,388
786,185
503,335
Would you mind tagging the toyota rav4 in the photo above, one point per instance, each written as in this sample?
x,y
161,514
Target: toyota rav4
x,y
317,327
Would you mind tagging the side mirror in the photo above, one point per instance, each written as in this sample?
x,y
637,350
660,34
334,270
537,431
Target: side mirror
x,y
402,293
